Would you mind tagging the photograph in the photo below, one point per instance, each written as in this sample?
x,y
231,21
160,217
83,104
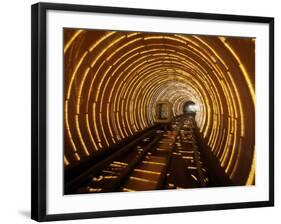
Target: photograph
x,y
140,111
145,111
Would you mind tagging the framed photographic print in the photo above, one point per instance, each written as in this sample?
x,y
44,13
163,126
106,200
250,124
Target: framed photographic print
x,y
138,111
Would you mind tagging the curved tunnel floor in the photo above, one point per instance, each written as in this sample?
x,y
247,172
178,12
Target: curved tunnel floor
x,y
167,159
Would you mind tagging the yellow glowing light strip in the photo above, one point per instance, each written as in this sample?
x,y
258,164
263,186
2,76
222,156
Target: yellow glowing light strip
x,y
124,112
102,129
223,152
202,56
75,35
214,143
219,135
132,34
227,146
210,139
80,90
122,131
127,53
74,73
227,98
146,171
114,107
90,133
233,150
240,105
101,104
101,39
134,90
244,71
238,159
153,37
153,163
68,128
95,123
213,51
123,46
251,177
92,83
80,136
104,50
218,149
77,156
94,107
66,162
108,122
128,189
175,39
187,39
142,179
213,134
232,98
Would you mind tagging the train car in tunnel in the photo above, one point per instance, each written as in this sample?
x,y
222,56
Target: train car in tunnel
x,y
163,112
147,111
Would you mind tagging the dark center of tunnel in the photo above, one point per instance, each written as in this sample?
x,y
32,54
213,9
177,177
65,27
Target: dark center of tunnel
x,y
190,108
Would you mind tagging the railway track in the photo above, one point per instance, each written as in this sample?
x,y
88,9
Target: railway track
x,y
167,159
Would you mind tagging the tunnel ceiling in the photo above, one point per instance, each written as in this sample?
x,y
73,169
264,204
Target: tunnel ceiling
x,y
113,80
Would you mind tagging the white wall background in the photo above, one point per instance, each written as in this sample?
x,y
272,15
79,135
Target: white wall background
x,y
15,110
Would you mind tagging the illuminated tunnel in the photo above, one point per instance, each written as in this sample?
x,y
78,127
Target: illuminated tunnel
x,y
113,80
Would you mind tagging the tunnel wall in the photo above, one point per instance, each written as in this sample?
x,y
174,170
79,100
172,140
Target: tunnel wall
x,y
112,81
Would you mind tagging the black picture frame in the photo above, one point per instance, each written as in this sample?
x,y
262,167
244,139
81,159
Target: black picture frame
x,y
39,122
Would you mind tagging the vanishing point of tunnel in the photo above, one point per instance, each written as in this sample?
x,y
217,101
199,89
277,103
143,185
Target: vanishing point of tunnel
x,y
151,111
